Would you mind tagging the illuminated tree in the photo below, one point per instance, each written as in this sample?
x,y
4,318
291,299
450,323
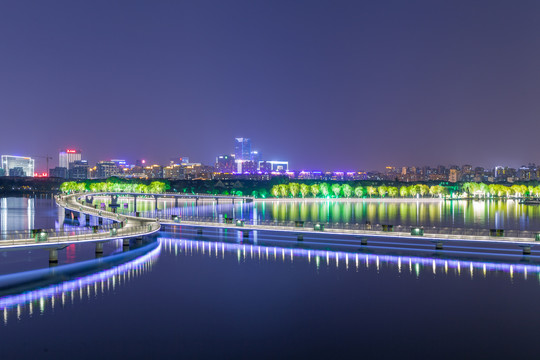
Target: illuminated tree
x,y
423,189
359,191
284,190
393,191
371,191
325,190
141,188
304,190
336,189
347,190
413,190
403,191
314,190
157,187
275,191
68,187
294,189
383,190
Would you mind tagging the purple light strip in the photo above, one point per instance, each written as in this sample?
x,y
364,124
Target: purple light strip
x,y
353,257
10,301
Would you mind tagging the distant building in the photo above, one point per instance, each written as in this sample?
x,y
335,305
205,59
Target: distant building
x,y
454,175
16,171
78,170
25,164
242,149
59,172
265,167
280,166
247,166
105,169
225,164
154,172
174,172
66,157
198,171
120,163
256,157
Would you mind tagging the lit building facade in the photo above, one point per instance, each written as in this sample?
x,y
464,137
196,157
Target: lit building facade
x,y
18,165
68,156
242,149
105,169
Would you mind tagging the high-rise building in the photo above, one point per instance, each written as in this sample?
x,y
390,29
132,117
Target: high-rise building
x,y
242,149
21,165
68,156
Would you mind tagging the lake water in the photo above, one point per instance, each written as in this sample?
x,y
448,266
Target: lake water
x,y
219,295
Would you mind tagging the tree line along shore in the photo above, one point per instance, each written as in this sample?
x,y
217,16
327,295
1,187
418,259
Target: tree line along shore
x,y
324,190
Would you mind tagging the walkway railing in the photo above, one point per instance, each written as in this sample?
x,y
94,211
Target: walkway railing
x,y
71,236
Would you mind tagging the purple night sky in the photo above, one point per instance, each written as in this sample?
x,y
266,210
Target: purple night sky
x,y
323,84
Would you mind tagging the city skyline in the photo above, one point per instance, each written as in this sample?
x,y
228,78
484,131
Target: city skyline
x,y
353,86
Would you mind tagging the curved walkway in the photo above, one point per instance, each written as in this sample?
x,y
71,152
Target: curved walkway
x,y
126,227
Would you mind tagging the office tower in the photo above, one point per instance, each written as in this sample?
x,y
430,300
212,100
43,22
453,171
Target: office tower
x,y
68,156
242,149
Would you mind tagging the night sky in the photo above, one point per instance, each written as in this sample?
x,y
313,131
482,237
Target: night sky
x,y
339,85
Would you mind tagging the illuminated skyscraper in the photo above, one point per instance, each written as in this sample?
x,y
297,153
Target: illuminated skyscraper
x,y
67,157
242,149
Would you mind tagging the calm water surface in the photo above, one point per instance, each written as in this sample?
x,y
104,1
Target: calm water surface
x,y
221,296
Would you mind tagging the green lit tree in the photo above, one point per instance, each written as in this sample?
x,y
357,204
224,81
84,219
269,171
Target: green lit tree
x,y
336,189
371,191
304,190
284,190
359,191
157,187
294,189
347,190
275,191
325,190
393,191
383,190
315,190
403,191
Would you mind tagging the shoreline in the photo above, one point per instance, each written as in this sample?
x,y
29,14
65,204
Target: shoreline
x,y
372,200
359,200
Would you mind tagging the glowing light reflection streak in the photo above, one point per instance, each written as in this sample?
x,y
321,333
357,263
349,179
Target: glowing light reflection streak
x,y
309,254
79,283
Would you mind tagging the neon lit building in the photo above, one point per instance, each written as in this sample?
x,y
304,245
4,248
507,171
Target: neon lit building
x,y
17,165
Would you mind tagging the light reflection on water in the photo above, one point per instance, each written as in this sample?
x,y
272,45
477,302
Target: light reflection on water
x,y
79,289
350,260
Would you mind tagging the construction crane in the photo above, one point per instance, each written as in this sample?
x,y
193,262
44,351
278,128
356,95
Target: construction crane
x,y
46,157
